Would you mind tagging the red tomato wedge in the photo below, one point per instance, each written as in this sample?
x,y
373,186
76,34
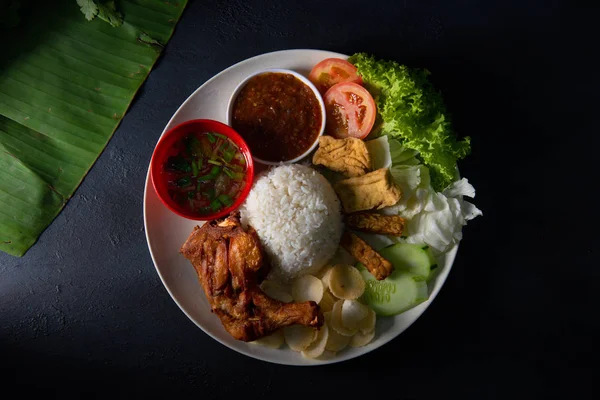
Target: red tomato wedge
x,y
350,110
332,71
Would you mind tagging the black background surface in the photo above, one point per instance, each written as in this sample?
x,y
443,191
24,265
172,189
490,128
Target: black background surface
x,y
84,311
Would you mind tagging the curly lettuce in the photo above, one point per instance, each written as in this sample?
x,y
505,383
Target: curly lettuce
x,y
413,112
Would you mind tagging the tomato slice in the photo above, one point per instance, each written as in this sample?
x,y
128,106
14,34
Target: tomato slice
x,y
350,111
332,71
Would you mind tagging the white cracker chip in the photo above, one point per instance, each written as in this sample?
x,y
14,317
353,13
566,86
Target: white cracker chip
x,y
368,323
327,301
345,282
361,339
307,288
336,320
299,337
325,275
335,342
353,312
318,346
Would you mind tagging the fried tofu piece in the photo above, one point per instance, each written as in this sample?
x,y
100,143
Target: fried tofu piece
x,y
348,156
378,266
391,225
374,190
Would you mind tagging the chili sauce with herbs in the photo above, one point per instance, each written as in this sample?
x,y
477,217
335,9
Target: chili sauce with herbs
x,y
277,115
205,172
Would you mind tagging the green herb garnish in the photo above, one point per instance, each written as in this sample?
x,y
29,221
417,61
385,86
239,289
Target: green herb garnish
x,y
214,172
183,182
228,155
178,163
225,199
211,137
229,173
215,205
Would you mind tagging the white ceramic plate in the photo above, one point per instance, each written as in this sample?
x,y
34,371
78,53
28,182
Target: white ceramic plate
x,y
166,231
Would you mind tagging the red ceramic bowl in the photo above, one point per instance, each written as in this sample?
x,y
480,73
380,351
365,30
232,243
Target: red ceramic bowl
x,y
163,150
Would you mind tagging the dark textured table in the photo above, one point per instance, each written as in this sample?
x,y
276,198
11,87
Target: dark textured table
x,y
84,311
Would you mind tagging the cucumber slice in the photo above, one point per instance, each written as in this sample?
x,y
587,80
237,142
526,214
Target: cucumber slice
x,y
414,258
400,291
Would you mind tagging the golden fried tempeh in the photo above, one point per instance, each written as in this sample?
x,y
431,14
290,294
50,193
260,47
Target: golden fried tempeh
x,y
378,266
391,225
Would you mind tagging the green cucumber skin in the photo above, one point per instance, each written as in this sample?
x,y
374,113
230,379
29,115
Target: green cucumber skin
x,y
415,258
389,297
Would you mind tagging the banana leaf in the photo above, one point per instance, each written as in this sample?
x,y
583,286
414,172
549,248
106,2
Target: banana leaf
x,y
65,84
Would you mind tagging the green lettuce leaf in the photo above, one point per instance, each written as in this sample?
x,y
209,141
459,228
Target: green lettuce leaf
x,y
413,112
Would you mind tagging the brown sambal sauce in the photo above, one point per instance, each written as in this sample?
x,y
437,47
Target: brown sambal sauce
x,y
278,116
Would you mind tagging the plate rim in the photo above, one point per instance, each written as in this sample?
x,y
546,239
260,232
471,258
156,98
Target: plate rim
x,y
440,279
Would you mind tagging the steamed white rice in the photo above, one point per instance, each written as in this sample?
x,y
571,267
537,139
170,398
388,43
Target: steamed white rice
x,y
296,214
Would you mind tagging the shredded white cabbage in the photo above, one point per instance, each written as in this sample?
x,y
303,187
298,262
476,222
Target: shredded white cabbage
x,y
440,222
433,218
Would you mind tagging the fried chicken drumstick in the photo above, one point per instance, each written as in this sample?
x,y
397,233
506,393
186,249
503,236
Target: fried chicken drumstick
x,y
231,264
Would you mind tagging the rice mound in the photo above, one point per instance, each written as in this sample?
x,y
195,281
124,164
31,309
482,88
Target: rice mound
x,y
297,216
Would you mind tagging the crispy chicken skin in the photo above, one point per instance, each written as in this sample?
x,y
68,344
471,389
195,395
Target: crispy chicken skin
x,y
378,266
391,225
348,156
230,264
374,190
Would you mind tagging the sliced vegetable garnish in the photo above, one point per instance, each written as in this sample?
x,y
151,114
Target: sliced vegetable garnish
x,y
331,71
350,109
206,172
219,135
225,199
214,172
183,182
229,173
211,193
228,155
413,110
215,205
177,163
